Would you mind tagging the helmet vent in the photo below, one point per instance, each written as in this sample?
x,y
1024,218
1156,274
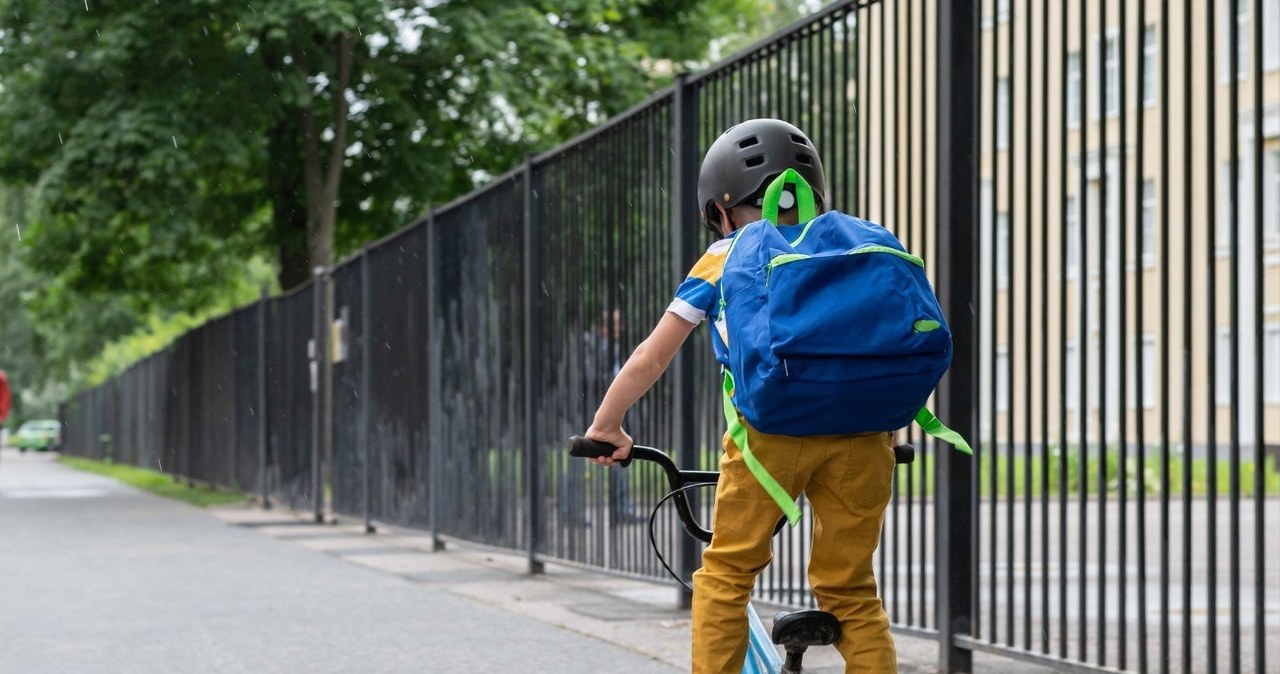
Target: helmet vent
x,y
800,140
748,142
804,159
755,161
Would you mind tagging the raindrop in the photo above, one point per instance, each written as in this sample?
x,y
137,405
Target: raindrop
x,y
98,32
175,142
86,5
238,27
15,226
59,139
205,28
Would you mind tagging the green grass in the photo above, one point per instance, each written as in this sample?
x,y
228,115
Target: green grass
x,y
155,482
1149,475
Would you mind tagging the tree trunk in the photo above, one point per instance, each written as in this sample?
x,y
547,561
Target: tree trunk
x,y
288,209
323,180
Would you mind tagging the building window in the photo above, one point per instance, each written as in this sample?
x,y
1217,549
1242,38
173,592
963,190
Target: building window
x,y
1073,90
1224,198
1271,364
1147,242
1002,250
1271,208
1148,372
1072,359
1002,379
1148,378
1271,47
1003,10
1150,62
1222,368
1242,39
1072,219
1111,76
1002,113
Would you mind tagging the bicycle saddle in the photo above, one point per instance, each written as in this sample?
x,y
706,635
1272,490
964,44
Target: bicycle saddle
x,y
805,628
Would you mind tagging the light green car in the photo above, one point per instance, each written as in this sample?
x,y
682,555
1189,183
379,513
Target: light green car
x,y
40,434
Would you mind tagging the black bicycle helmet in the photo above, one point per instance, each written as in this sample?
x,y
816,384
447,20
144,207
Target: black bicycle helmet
x,y
746,157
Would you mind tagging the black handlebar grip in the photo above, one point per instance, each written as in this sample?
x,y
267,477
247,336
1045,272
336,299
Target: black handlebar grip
x,y
904,454
587,448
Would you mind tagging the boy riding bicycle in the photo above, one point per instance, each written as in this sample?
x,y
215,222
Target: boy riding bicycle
x,y
845,478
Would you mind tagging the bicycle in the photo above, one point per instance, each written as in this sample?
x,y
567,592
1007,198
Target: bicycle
x,y
795,631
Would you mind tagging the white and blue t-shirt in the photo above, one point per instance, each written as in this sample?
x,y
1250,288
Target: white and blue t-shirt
x,y
698,297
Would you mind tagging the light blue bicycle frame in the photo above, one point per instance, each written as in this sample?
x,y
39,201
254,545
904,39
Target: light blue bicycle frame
x,y
762,655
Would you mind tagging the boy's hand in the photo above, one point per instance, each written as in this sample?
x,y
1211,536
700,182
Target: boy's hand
x,y
614,436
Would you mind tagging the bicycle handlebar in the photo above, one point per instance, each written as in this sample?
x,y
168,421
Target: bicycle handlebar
x,y
678,479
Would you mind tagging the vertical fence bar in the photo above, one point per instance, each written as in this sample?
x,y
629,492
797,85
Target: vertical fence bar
x,y
366,388
1044,329
1259,335
317,395
1082,339
1029,397
1211,333
264,416
435,417
532,346
1165,346
1233,398
1139,364
1122,58
684,171
1187,382
1064,245
957,210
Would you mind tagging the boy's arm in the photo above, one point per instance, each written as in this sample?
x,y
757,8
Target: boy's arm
x,y
638,374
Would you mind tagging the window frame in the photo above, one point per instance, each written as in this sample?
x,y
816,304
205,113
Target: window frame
x,y
1075,116
1150,65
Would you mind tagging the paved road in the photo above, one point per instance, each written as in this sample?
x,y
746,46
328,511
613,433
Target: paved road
x,y
97,577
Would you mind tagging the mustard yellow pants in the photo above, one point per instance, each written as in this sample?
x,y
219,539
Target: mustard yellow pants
x,y
847,480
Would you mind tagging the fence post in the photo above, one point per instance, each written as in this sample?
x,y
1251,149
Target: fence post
x,y
683,188
264,416
317,396
435,457
366,389
532,347
958,186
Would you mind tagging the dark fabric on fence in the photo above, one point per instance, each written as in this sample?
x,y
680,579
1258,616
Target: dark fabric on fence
x,y
398,367
248,415
289,399
479,326
348,400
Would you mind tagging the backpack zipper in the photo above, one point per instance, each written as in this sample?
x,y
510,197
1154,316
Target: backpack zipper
x,y
786,258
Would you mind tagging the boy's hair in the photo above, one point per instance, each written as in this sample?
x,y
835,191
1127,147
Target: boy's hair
x,y
746,157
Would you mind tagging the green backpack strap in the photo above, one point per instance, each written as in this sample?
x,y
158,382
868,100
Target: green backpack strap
x,y
804,197
738,433
937,429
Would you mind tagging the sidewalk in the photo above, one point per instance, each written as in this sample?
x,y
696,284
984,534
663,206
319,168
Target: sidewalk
x,y
98,577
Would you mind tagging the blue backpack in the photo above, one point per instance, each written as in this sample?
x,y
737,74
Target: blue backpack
x,y
835,332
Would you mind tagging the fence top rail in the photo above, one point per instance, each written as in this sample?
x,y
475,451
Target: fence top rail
x,y
301,287
768,44
643,107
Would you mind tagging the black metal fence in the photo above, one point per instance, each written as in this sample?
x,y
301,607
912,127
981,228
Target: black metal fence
x,y
1058,164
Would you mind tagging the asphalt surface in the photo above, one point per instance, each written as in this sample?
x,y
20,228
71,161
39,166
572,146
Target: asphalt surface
x,y
99,577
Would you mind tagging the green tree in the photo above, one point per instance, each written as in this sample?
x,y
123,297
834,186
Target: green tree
x,y
172,143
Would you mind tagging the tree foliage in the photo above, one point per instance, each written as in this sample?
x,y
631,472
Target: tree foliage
x,y
173,145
